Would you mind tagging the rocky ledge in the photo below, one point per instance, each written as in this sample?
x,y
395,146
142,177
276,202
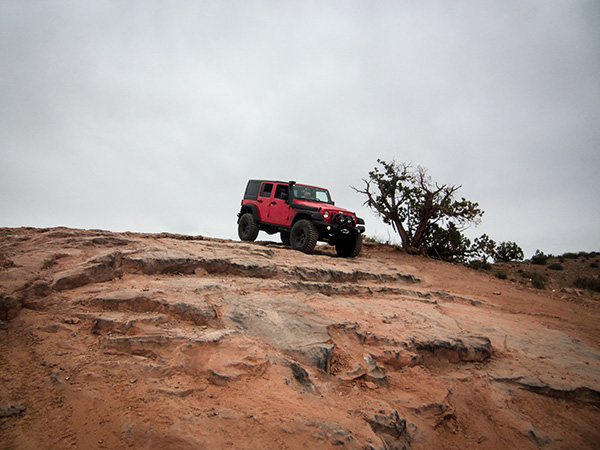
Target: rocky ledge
x,y
119,340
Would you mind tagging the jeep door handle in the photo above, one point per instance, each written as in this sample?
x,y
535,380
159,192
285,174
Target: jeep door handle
x,y
273,203
259,201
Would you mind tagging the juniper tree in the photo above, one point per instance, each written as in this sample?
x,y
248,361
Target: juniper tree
x,y
417,208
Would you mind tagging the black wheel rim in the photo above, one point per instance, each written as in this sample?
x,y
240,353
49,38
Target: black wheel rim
x,y
245,227
300,238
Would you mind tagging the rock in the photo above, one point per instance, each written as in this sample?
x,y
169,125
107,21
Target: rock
x,y
11,410
374,372
357,371
219,379
290,325
9,307
302,376
537,437
33,291
463,348
213,344
160,260
572,291
98,270
195,309
110,241
391,429
580,394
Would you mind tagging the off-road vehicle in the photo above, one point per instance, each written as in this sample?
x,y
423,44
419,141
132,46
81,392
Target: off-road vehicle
x,y
302,214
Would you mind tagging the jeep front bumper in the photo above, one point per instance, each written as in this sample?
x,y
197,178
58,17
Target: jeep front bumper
x,y
328,231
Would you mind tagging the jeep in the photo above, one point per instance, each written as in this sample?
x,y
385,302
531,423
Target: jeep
x,y
301,214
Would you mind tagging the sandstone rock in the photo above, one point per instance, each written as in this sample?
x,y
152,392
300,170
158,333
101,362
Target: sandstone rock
x,y
463,348
11,410
301,375
103,268
374,372
195,309
9,307
391,429
207,343
291,326
160,260
39,289
540,439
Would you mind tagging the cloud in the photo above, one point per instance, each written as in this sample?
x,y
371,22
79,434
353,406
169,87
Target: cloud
x,y
127,115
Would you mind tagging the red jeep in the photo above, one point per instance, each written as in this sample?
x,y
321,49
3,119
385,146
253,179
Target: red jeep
x,y
302,215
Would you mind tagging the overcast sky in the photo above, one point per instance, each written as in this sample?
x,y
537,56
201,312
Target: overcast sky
x,y
152,115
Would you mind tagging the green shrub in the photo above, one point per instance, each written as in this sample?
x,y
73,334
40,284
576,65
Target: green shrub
x,y
479,265
591,284
539,258
538,281
483,248
508,251
570,255
556,266
501,274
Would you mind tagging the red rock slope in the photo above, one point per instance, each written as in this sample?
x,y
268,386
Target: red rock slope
x,y
124,340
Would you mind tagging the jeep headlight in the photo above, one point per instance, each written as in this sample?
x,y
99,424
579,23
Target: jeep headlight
x,y
326,214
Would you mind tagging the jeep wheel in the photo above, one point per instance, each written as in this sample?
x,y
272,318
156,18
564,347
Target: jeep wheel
x,y
248,227
349,247
285,237
304,236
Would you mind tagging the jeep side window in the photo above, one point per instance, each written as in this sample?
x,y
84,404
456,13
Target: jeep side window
x,y
281,191
252,190
266,190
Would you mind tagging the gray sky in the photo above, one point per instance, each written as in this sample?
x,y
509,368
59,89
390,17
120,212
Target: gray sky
x,y
152,115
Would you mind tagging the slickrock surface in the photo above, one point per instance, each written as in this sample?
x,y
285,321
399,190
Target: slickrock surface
x,y
128,340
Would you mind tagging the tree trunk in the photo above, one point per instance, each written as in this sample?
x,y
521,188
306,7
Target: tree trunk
x,y
402,232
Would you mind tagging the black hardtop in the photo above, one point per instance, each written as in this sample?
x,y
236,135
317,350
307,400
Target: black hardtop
x,y
268,181
253,187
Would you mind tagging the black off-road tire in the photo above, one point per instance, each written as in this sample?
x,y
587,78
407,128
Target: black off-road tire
x,y
285,237
350,246
247,227
304,236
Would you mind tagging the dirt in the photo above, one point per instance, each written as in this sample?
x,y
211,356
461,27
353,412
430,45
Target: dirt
x,y
129,340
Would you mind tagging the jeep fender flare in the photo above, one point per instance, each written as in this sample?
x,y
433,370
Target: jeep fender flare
x,y
308,215
250,208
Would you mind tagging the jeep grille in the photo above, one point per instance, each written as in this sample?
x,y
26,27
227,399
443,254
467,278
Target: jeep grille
x,y
343,220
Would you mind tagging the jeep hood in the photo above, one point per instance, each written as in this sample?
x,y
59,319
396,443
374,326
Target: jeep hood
x,y
325,207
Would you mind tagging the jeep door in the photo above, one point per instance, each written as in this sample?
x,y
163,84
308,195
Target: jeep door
x,y
279,207
264,200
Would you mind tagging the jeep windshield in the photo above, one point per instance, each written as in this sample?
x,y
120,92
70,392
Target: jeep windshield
x,y
311,194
